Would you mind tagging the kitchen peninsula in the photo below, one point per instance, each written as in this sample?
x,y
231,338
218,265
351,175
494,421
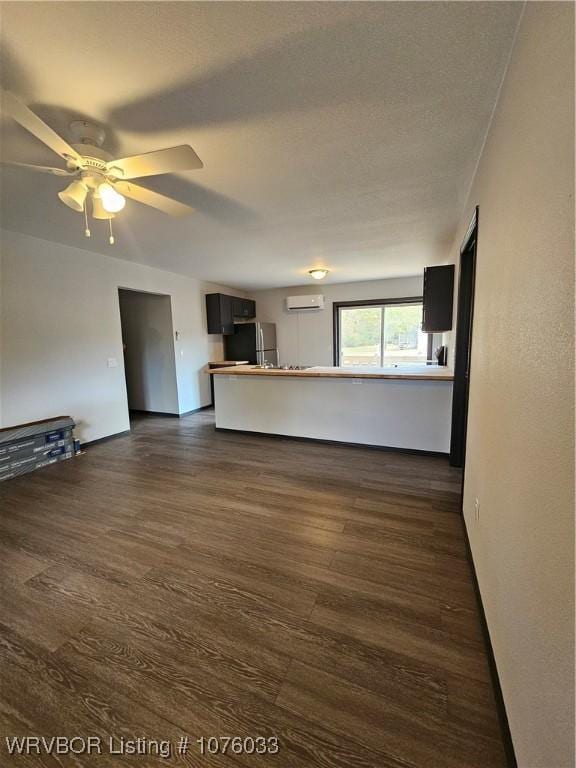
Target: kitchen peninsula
x,y
405,407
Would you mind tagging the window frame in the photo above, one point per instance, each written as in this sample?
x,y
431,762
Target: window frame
x,y
337,305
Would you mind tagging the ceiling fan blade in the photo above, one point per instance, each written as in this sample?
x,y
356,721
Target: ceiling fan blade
x,y
182,158
40,168
148,197
37,127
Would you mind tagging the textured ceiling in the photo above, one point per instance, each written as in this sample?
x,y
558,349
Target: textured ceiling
x,y
336,134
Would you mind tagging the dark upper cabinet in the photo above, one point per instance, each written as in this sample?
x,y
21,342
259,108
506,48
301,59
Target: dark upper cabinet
x,y
222,309
244,308
438,299
219,313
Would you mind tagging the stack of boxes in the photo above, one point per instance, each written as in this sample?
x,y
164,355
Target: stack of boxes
x,y
27,447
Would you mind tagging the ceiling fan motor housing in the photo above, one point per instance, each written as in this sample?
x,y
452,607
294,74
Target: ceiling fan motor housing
x,y
89,139
87,133
92,157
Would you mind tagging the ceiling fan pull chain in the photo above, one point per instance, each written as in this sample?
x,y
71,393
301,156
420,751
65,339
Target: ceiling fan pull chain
x,y
111,238
87,230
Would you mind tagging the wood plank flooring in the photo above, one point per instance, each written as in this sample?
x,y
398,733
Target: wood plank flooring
x,y
180,581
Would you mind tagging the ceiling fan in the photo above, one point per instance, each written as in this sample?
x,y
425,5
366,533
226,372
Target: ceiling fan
x,y
95,175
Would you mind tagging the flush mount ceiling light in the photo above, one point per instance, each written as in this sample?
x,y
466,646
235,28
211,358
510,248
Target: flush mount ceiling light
x,y
318,274
95,174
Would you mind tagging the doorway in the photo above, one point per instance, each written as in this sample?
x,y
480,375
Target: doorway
x,y
149,359
463,349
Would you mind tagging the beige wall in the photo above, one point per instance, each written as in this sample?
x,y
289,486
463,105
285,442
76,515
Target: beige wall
x,y
520,445
60,323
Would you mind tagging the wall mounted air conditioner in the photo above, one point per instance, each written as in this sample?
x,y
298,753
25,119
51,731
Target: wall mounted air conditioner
x,y
304,303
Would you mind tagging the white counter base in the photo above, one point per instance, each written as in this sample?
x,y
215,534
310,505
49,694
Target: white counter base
x,y
409,414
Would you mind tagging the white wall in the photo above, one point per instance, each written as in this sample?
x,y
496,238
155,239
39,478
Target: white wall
x,y
520,454
61,322
149,362
306,338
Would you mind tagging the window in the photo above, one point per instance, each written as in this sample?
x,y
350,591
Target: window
x,y
379,333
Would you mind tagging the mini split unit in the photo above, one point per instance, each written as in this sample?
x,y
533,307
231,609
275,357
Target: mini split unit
x,y
305,303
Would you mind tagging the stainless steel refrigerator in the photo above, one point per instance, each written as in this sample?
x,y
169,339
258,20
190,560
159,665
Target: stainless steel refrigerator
x,y
255,342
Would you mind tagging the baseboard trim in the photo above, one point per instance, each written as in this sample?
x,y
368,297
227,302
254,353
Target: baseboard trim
x,y
105,439
169,415
196,410
500,706
145,413
341,443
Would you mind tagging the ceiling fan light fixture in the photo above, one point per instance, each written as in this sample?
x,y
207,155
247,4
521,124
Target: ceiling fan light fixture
x,y
112,201
318,274
98,210
74,196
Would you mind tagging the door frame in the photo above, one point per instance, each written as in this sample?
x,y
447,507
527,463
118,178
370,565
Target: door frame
x,y
463,343
125,289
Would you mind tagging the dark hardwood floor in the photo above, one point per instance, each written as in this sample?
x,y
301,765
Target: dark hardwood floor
x,y
180,581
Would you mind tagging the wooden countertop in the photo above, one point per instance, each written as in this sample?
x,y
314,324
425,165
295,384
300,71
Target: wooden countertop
x,y
228,362
417,373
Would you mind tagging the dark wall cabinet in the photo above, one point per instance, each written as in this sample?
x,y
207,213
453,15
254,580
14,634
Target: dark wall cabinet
x,y
438,299
221,310
244,308
219,313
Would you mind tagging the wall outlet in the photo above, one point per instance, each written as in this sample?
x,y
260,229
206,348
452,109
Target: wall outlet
x,y
477,509
112,362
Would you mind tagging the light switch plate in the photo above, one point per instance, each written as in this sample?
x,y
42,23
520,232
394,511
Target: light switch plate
x,y
112,362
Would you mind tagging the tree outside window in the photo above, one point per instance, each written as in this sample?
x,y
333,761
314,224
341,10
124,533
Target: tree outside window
x,y
379,335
